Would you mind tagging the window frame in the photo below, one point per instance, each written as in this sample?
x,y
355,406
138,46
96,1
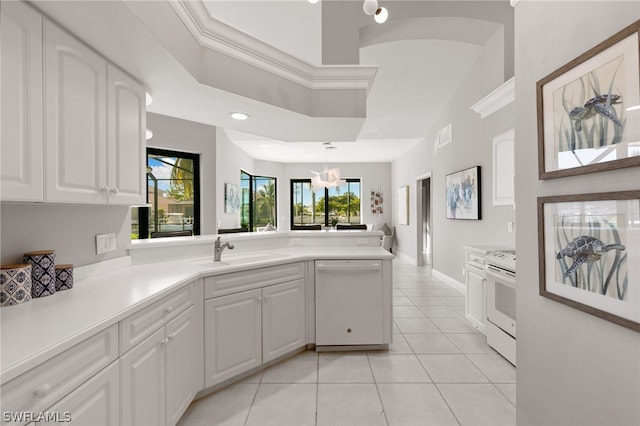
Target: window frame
x,y
143,211
292,182
252,187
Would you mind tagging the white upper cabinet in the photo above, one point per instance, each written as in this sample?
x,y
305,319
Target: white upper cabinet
x,y
75,120
72,115
126,120
21,161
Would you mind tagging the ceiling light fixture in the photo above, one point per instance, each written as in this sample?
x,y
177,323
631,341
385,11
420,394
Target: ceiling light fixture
x,y
239,115
381,15
313,1
327,178
370,6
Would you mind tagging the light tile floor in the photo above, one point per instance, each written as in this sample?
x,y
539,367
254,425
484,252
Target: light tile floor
x,y
438,371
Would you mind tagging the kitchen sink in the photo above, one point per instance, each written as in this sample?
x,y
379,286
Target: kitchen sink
x,y
242,258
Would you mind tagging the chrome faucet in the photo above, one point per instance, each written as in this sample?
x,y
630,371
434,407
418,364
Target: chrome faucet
x,y
218,248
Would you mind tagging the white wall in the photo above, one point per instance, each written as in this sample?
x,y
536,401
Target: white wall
x,y
188,136
573,368
229,161
471,146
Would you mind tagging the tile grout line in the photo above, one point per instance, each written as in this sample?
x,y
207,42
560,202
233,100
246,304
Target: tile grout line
x,y
253,400
375,383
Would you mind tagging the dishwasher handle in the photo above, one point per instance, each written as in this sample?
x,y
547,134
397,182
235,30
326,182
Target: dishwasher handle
x,y
348,267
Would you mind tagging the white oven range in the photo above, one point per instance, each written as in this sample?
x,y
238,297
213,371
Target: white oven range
x,y
501,303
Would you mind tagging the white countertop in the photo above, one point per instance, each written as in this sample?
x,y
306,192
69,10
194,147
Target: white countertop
x,y
38,330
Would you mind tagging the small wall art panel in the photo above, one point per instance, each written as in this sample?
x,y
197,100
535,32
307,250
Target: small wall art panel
x,y
403,205
463,194
231,198
589,110
589,253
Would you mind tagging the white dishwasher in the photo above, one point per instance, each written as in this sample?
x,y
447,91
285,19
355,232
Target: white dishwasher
x,y
349,299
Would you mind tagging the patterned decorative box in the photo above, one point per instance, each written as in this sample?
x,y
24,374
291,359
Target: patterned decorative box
x,y
15,284
43,272
64,277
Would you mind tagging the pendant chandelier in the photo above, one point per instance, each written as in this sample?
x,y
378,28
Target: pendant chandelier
x,y
327,178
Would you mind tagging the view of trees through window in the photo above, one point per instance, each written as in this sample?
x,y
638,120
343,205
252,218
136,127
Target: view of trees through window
x,y
327,206
173,195
259,201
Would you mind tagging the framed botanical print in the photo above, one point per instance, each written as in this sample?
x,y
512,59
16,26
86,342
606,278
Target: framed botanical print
x,y
589,110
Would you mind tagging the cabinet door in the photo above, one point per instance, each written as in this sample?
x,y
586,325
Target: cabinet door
x,y
476,303
75,116
233,338
96,402
126,139
142,378
21,82
283,319
181,359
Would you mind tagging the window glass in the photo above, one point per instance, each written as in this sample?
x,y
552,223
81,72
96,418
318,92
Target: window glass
x,y
172,195
259,201
326,206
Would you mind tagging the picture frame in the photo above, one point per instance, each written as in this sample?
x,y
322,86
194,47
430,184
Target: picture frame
x,y
231,198
403,205
589,253
589,110
463,192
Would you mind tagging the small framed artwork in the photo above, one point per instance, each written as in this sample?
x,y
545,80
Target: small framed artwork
x,y
231,198
589,110
589,253
463,194
403,205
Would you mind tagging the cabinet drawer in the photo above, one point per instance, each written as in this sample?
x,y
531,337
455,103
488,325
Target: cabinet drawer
x,y
40,388
137,327
221,285
476,260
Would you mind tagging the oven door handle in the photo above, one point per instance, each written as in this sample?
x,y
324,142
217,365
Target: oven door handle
x,y
500,272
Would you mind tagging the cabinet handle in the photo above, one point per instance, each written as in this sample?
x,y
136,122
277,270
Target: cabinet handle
x,y
105,189
259,299
170,337
168,310
113,190
164,341
42,390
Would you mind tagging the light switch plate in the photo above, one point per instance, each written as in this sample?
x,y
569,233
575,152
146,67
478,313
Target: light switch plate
x,y
105,243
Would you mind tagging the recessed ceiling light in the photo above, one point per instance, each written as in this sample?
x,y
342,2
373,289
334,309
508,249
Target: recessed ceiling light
x,y
239,115
148,98
313,1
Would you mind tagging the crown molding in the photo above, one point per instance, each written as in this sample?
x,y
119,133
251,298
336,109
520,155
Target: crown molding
x,y
224,39
497,99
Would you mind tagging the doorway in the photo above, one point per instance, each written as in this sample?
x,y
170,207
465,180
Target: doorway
x,y
424,247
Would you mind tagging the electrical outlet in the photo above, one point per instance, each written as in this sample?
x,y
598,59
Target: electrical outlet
x,y
363,241
105,243
295,241
510,227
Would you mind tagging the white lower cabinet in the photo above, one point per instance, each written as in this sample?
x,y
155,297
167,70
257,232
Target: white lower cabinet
x,y
158,374
96,402
246,329
476,281
283,319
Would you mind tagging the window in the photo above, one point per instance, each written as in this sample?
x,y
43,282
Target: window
x,y
173,195
259,201
326,206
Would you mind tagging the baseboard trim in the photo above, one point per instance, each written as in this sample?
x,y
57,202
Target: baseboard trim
x,y
457,285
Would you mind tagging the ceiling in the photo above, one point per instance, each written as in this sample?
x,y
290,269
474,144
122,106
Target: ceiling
x,y
414,81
